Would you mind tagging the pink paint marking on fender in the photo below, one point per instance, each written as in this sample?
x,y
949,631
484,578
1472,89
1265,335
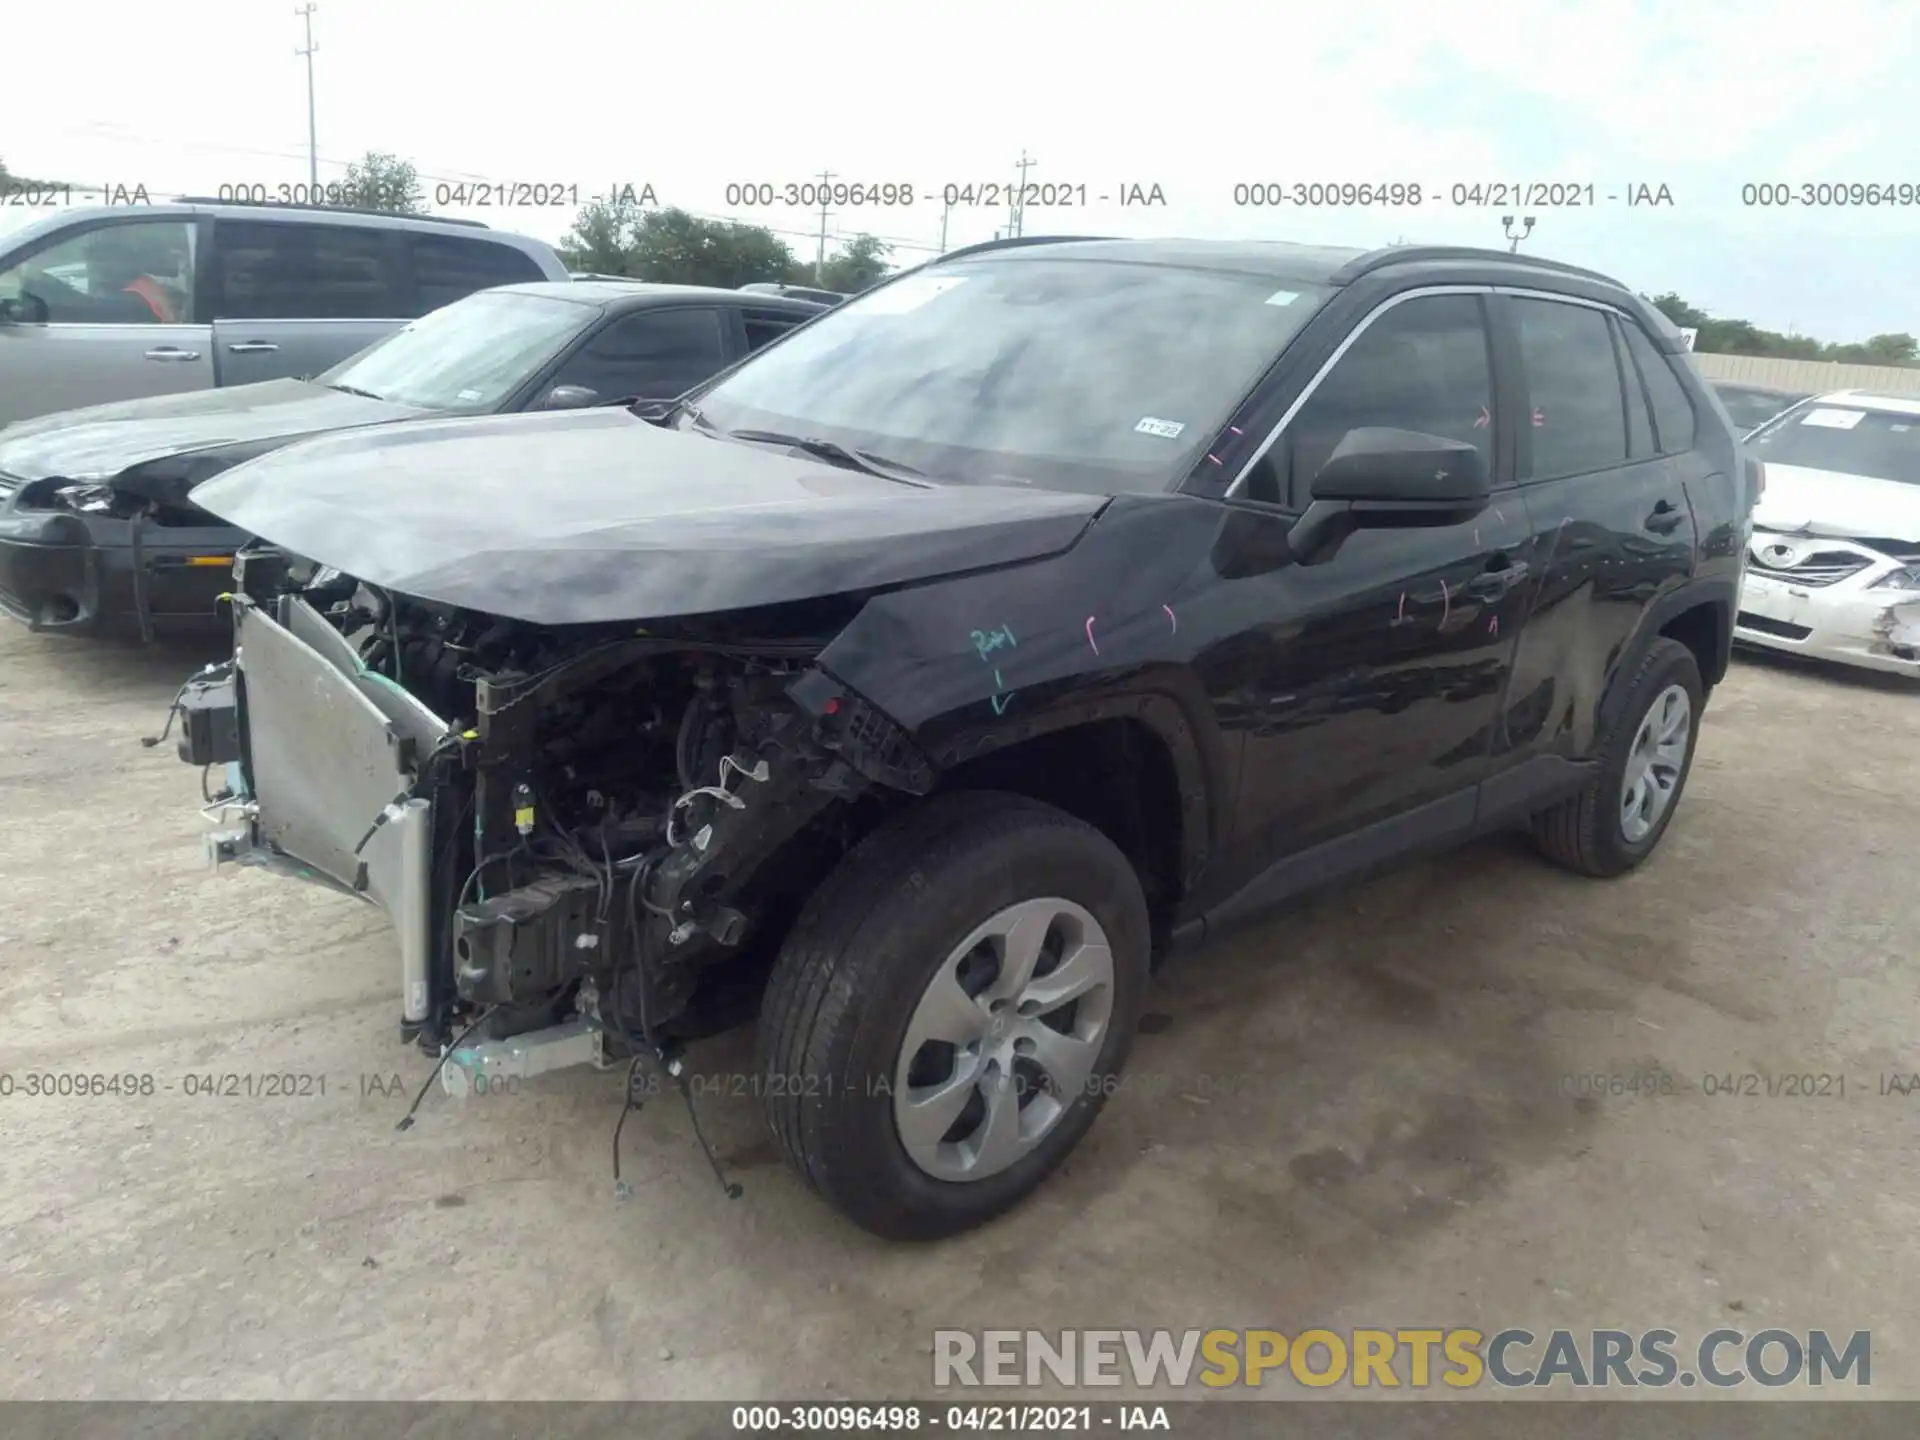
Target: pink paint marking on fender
x,y
1236,429
1215,459
1400,618
1090,639
1493,626
1172,618
1446,604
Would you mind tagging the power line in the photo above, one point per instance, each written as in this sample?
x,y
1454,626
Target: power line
x,y
305,12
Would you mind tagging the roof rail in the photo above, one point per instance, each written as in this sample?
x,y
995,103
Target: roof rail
x,y
1012,242
328,209
1414,254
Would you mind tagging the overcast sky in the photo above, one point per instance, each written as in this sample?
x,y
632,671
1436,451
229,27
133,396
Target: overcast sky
x,y
1193,97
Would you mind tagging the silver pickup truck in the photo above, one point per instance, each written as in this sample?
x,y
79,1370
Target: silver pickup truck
x,y
123,302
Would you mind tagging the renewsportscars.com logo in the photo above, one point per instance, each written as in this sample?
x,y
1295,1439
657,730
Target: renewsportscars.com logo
x,y
1412,1359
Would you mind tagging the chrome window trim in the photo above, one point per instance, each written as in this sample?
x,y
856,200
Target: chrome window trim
x,y
1334,359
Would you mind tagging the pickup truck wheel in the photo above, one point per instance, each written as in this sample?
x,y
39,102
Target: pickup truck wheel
x,y
950,1009
1618,819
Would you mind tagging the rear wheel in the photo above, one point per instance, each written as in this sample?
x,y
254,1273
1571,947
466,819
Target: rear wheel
x,y
948,1014
1617,820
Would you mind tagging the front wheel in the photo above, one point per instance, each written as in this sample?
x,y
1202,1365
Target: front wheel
x,y
1618,819
951,1010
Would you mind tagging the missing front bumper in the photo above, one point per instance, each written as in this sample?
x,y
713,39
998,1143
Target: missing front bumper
x,y
322,787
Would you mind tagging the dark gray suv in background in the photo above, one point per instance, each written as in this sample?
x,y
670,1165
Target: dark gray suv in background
x,y
122,302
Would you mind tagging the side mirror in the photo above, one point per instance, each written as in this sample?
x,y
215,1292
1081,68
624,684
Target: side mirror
x,y
1379,479
24,309
570,397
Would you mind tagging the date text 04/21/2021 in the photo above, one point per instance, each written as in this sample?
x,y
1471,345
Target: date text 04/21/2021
x,y
1410,194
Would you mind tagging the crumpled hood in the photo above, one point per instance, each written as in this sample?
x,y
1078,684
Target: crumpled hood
x,y
1836,505
100,441
586,516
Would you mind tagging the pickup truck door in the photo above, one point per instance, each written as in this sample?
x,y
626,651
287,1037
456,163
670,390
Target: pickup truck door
x,y
291,299
121,318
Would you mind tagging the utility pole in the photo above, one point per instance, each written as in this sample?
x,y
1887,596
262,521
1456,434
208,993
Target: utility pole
x,y
1506,224
305,12
820,256
1016,207
946,212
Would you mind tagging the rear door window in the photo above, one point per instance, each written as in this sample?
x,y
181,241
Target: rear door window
x,y
765,326
286,270
652,355
1640,444
447,268
1673,419
1579,418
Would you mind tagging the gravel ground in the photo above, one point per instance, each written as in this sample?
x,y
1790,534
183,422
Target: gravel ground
x,y
1355,1114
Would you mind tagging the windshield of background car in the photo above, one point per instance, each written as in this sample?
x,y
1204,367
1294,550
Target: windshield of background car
x,y
467,356
1749,408
1097,375
1881,444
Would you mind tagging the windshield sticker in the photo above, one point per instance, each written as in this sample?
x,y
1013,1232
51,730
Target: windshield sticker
x,y
1834,419
1165,429
904,295
1899,429
1283,297
468,395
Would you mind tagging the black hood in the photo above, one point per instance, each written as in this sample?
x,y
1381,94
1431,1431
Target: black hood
x,y
594,515
103,442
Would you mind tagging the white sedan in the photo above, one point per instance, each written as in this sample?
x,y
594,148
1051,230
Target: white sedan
x,y
1833,568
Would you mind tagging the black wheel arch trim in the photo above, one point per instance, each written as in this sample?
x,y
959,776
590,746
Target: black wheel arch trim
x,y
1203,782
1722,591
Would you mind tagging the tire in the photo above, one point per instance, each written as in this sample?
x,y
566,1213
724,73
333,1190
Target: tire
x,y
1589,833
857,966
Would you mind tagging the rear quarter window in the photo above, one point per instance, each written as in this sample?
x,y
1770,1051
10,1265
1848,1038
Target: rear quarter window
x,y
451,267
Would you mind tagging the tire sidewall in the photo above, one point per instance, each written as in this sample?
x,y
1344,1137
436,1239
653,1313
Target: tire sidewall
x,y
1076,864
1674,666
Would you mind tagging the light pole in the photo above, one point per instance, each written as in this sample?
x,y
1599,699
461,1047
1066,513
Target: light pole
x,y
305,12
1506,224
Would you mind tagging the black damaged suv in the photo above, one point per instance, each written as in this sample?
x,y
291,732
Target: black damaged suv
x,y
913,684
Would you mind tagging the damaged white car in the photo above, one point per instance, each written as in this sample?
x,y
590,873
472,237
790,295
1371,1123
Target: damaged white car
x,y
1833,566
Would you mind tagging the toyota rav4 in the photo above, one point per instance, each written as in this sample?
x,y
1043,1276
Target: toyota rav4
x,y
917,683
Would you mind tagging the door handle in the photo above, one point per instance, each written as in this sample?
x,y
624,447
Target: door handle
x,y
1665,519
253,347
1493,584
172,352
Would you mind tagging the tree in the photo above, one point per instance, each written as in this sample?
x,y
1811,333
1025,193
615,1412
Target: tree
x,y
7,177
670,246
863,264
380,181
601,241
1743,337
1898,349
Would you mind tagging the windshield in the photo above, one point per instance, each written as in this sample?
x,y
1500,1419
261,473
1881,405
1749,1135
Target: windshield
x,y
1072,374
1881,444
468,356
1749,408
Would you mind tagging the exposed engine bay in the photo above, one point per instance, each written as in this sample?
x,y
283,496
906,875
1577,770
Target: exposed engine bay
x,y
611,826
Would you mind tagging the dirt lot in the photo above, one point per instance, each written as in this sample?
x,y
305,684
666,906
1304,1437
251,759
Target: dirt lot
x,y
1354,1115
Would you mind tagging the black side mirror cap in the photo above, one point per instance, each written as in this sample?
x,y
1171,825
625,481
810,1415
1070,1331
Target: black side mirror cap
x,y
1379,478
1384,466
